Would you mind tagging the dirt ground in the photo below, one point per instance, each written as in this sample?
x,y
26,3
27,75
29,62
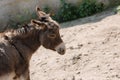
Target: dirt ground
x,y
93,51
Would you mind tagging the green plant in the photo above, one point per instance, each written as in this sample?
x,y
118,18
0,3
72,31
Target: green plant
x,y
89,7
66,12
113,3
46,9
117,10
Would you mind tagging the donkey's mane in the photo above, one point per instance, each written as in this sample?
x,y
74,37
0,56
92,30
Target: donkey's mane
x,y
20,32
25,29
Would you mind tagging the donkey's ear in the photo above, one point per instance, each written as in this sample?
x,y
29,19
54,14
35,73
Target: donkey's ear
x,y
40,12
38,24
38,9
33,22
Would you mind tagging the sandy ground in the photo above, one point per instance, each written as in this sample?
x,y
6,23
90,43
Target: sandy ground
x,y
93,51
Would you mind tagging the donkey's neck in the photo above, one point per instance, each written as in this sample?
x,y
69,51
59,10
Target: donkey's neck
x,y
31,41
26,40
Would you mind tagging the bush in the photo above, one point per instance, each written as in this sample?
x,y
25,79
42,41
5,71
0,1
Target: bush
x,y
66,12
117,10
46,9
89,7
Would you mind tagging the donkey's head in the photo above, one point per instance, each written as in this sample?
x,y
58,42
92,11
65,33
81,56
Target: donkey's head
x,y
49,36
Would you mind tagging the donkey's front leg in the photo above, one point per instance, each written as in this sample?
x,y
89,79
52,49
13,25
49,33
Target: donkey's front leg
x,y
25,76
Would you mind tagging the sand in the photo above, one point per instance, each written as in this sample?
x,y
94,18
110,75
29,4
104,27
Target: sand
x,y
93,51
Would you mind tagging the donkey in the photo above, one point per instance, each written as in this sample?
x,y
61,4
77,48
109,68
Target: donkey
x,y
17,46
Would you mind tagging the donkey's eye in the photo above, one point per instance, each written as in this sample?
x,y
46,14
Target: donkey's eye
x,y
51,35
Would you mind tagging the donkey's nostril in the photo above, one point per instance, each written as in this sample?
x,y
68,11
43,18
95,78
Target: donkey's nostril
x,y
62,51
61,48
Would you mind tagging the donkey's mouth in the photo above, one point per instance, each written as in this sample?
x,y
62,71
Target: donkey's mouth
x,y
61,48
61,51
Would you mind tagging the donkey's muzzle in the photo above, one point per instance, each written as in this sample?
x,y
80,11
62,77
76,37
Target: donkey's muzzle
x,y
61,49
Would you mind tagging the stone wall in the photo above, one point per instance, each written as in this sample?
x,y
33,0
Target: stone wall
x,y
11,8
